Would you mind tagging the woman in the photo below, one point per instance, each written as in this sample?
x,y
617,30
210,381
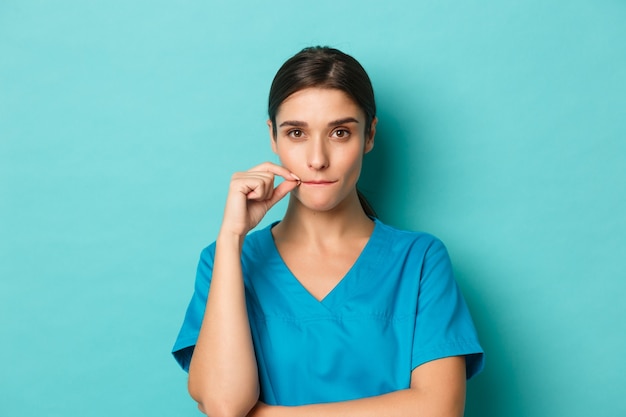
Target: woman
x,y
329,311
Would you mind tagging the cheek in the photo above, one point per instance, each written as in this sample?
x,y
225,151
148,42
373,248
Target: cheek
x,y
288,157
353,159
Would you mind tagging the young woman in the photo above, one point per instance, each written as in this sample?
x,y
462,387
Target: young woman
x,y
328,312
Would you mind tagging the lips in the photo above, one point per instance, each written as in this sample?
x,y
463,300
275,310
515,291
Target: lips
x,y
319,182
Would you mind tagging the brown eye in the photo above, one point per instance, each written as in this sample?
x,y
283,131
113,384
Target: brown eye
x,y
342,133
295,133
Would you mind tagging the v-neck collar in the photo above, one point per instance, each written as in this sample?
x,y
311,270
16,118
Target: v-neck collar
x,y
346,285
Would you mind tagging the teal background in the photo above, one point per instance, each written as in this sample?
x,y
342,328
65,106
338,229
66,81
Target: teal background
x,y
502,131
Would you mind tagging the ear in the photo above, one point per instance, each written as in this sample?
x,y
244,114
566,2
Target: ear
x,y
369,141
272,138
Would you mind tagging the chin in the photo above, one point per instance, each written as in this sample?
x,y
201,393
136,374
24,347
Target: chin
x,y
321,205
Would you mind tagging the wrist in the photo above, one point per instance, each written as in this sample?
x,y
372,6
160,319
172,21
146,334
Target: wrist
x,y
230,239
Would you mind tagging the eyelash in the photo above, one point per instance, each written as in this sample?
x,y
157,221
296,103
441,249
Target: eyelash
x,y
299,134
292,133
341,134
345,133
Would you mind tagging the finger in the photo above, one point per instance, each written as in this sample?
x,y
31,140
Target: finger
x,y
281,191
261,189
276,170
254,185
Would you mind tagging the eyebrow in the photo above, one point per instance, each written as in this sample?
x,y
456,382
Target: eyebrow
x,y
298,123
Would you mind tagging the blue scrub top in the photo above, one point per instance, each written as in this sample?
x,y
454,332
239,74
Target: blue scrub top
x,y
397,308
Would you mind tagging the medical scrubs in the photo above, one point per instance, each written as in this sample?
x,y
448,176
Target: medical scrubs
x,y
397,308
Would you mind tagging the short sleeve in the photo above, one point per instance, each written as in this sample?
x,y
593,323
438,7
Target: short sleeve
x,y
188,334
443,325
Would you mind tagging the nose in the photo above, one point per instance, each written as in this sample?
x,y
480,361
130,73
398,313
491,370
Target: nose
x,y
317,157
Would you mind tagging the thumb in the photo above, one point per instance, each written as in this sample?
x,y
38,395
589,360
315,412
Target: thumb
x,y
281,191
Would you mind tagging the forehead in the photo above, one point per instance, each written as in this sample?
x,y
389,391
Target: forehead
x,y
318,103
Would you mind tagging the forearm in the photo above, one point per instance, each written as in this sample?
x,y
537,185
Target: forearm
x,y
437,390
223,372
403,403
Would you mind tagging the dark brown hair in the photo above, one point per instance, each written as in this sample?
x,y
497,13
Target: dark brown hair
x,y
321,66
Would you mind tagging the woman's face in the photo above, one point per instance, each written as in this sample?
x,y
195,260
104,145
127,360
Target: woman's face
x,y
320,138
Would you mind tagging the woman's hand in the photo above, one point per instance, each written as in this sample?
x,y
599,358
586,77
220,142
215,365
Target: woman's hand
x,y
252,194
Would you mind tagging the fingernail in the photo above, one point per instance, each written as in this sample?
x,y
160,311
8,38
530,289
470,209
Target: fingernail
x,y
296,177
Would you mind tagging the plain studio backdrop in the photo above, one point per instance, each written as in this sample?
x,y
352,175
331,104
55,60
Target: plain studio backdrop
x,y
502,131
